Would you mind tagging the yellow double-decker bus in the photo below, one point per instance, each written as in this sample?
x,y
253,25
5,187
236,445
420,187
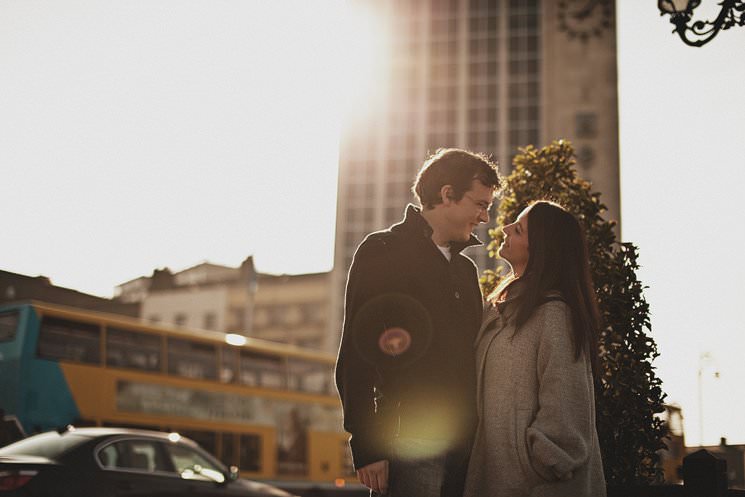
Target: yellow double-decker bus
x,y
268,408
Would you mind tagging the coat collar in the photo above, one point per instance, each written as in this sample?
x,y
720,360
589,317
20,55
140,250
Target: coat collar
x,y
415,224
499,313
514,290
506,310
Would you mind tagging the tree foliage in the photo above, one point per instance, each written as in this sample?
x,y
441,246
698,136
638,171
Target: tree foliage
x,y
629,394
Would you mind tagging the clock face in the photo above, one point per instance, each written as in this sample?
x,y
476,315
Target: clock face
x,y
585,19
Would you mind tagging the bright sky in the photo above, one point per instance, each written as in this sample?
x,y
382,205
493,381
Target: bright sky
x,y
143,134
682,112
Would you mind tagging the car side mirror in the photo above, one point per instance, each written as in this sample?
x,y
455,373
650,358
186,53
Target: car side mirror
x,y
233,475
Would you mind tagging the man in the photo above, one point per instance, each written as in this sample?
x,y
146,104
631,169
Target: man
x,y
412,425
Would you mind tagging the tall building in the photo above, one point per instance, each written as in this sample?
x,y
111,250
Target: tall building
x,y
486,75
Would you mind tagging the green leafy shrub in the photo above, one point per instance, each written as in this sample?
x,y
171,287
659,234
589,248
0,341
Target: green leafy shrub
x,y
629,394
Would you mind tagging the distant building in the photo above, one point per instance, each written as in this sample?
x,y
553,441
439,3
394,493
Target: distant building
x,y
206,296
134,290
284,308
292,309
671,458
17,287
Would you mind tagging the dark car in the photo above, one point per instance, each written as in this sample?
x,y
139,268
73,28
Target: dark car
x,y
114,462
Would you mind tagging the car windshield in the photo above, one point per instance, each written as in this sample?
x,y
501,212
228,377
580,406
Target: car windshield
x,y
50,445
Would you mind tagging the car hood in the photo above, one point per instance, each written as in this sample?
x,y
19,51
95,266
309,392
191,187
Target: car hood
x,y
262,488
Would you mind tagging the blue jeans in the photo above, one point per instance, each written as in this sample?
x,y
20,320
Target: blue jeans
x,y
423,468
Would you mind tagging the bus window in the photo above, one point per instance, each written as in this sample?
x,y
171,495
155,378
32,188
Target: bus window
x,y
250,453
207,439
68,340
228,454
261,370
192,359
292,442
8,326
310,376
130,349
229,365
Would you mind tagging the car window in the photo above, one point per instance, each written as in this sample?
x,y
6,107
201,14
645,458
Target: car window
x,y
132,454
109,456
50,445
192,465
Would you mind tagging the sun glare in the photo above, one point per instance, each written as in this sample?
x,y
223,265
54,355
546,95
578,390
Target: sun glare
x,y
366,55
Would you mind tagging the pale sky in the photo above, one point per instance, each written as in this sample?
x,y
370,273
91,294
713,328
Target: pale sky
x,y
682,112
143,134
140,134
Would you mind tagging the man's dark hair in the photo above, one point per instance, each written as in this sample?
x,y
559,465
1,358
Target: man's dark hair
x,y
455,167
558,260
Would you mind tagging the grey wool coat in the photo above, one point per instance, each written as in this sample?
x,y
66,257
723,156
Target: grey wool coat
x,y
536,434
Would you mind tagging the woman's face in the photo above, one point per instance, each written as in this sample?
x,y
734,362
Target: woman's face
x,y
514,248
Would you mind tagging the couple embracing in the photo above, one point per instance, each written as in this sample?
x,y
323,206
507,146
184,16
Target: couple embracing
x,y
501,402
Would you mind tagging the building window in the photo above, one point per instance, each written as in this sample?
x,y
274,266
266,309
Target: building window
x,y
261,318
586,157
293,316
179,319
210,321
586,125
237,319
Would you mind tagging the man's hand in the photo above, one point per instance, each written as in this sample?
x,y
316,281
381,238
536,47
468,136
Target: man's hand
x,y
375,476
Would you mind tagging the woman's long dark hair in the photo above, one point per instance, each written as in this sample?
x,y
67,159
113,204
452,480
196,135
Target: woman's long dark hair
x,y
558,260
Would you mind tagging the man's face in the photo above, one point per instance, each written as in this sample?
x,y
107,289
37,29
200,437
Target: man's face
x,y
464,215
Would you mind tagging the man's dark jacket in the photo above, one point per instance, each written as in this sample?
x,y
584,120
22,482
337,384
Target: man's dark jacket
x,y
434,396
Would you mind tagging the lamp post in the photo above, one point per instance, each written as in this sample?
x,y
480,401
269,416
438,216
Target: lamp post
x,y
698,33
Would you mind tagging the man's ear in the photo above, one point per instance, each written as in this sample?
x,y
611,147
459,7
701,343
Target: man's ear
x,y
446,194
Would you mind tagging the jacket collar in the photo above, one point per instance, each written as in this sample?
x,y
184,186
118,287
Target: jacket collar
x,y
415,224
514,290
502,310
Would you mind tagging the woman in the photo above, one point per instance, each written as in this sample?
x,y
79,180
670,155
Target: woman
x,y
536,362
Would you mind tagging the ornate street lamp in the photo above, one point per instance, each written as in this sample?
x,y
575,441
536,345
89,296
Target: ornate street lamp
x,y
698,33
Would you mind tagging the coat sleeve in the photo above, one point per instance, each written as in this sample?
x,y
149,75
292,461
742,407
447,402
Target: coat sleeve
x,y
560,437
356,377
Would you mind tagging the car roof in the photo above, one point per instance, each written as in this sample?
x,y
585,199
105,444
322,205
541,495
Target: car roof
x,y
97,432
